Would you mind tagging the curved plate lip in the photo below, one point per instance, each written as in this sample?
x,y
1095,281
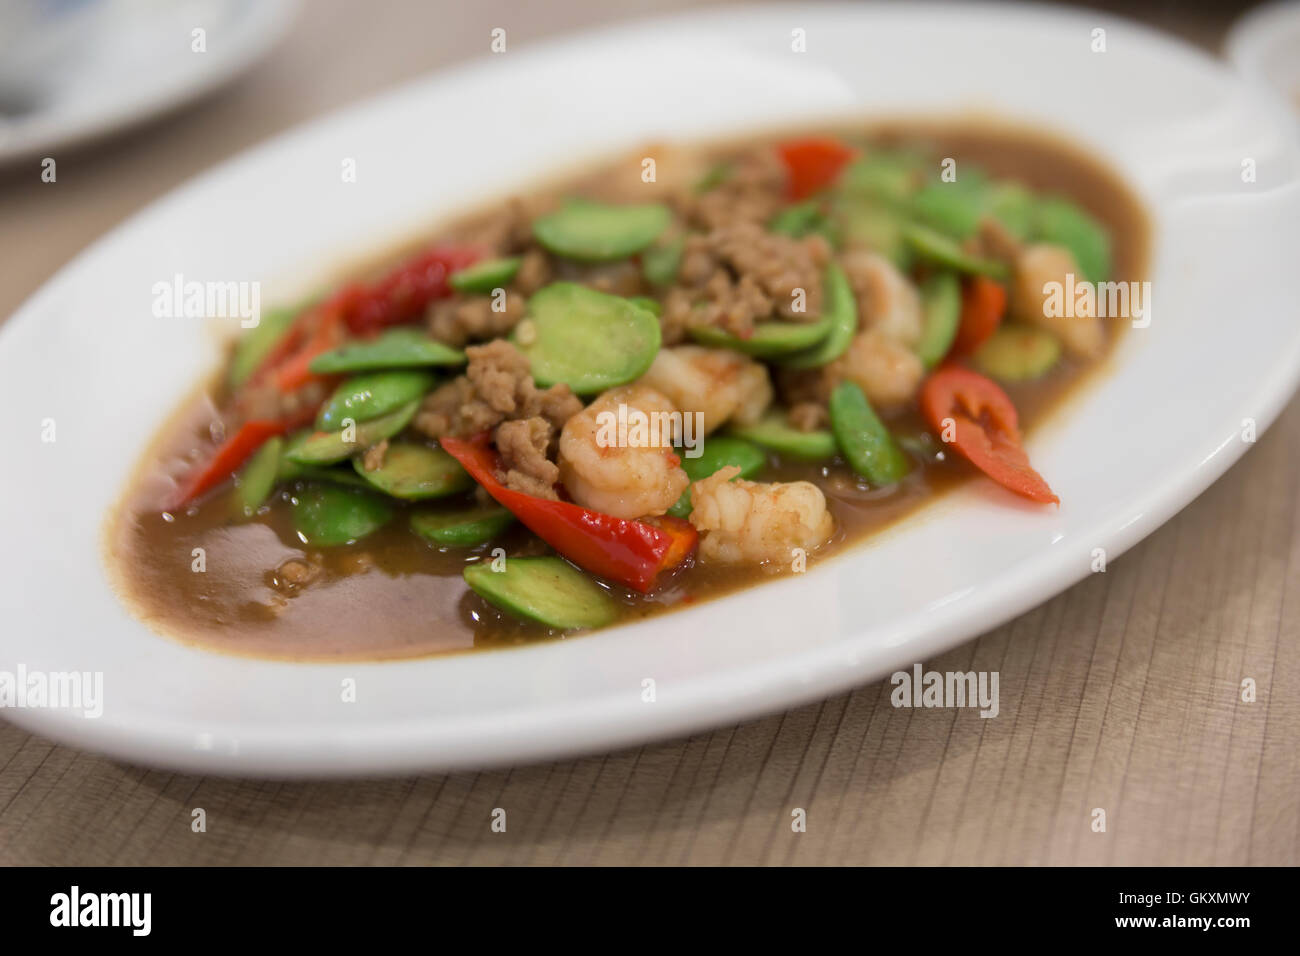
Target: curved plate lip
x,y
1258,41
418,743
266,23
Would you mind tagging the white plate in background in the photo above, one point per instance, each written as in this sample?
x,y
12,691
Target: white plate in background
x,y
1137,445
73,70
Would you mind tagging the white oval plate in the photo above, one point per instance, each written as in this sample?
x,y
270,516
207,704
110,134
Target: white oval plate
x,y
1142,441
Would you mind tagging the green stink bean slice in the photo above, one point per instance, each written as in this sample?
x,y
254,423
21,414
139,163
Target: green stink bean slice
x,y
461,529
941,315
257,478
596,232
650,305
660,262
326,448
290,470
547,590
799,219
327,515
842,309
485,276
256,343
885,175
713,178
398,348
1063,223
871,223
863,439
718,452
936,247
588,340
1012,205
770,339
775,433
1018,353
414,472
952,208
367,396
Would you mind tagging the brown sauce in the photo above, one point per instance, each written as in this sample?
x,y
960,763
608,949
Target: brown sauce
x,y
392,595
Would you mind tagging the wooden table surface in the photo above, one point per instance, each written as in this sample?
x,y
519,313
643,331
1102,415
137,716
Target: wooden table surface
x,y
1122,693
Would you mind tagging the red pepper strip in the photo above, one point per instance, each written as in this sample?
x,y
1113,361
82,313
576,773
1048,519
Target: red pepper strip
x,y
294,372
985,428
398,297
229,456
629,552
983,303
685,537
812,164
404,293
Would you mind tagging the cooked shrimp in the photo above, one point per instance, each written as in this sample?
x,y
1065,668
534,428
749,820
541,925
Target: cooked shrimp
x,y
721,385
750,522
1035,267
629,479
886,298
888,372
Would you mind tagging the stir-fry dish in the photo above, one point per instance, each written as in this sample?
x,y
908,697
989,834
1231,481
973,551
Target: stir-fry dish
x,y
678,375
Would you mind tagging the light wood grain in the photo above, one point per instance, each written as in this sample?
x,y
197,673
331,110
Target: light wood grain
x,y
1122,693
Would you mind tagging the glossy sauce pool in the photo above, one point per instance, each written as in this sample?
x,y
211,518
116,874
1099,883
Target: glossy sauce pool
x,y
393,595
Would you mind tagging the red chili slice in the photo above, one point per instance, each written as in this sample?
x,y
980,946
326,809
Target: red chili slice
x,y
630,552
984,429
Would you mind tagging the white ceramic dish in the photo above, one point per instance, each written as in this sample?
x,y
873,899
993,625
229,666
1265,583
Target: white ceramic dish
x,y
1265,45
73,71
1142,441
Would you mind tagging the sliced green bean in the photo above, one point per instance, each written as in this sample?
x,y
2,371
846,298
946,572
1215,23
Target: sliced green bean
x,y
1018,353
775,433
873,224
398,348
256,343
414,472
257,477
290,470
1061,222
326,448
660,262
952,208
328,515
586,339
888,175
938,248
841,307
770,339
372,394
863,439
1014,207
461,529
485,276
715,177
720,451
547,590
650,305
596,232
941,314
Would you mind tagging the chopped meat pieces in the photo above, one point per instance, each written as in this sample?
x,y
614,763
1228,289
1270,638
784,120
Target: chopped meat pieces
x,y
496,387
524,444
740,274
472,318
